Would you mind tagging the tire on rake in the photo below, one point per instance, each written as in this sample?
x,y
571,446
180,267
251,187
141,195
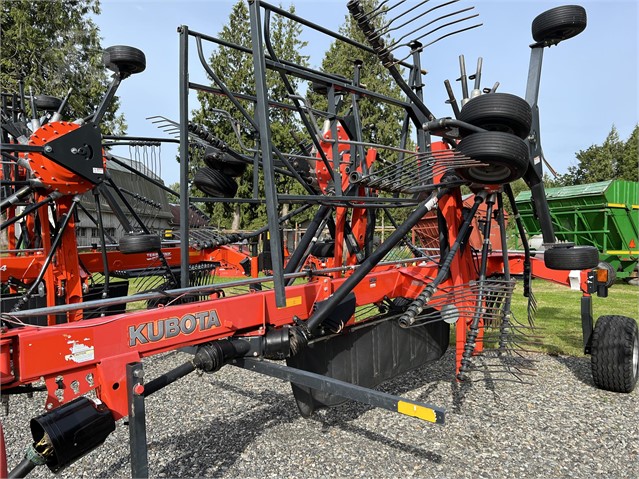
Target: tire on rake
x,y
505,156
499,112
221,161
140,243
615,354
572,257
560,23
47,102
124,60
214,183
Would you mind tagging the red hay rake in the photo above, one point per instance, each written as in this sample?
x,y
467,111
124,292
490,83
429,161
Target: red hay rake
x,y
64,308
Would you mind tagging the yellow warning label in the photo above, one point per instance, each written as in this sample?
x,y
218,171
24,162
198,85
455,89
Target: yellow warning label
x,y
417,411
294,301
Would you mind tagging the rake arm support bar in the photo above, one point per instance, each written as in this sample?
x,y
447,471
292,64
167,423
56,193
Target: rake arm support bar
x,y
266,145
346,390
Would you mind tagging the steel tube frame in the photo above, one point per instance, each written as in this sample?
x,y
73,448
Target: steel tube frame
x,y
534,175
137,421
184,151
267,157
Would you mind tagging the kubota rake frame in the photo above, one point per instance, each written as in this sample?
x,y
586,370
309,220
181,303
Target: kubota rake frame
x,y
352,293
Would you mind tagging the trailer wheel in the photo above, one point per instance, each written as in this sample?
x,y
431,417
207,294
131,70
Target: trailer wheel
x,y
140,243
615,354
499,112
505,156
215,183
560,23
47,102
124,59
221,161
571,257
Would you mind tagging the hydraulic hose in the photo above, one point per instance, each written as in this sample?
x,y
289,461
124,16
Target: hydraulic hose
x,y
22,469
417,306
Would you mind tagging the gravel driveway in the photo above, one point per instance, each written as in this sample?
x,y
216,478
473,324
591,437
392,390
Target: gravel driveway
x,y
240,424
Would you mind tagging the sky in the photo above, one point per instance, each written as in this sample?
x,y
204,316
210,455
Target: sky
x,y
589,83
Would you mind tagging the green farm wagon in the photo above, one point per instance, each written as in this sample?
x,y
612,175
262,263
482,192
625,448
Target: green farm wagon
x,y
604,215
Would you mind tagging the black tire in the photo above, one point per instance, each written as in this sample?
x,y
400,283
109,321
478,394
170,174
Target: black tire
x,y
140,243
612,273
323,249
124,59
47,102
572,257
221,161
615,354
560,23
505,155
214,183
499,112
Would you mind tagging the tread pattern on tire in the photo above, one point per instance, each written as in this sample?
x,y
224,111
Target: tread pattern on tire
x,y
559,23
499,112
611,354
573,257
47,102
124,59
219,160
139,243
214,183
505,154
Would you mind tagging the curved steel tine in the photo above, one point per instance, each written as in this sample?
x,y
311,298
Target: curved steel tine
x,y
416,17
381,4
411,9
430,10
398,43
370,17
420,49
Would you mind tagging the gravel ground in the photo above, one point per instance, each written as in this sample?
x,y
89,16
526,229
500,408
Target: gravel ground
x,y
240,424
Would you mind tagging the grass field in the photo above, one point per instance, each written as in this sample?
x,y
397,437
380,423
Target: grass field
x,y
559,312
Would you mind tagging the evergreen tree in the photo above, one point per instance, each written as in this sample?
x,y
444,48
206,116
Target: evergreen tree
x,y
235,68
628,166
381,122
54,46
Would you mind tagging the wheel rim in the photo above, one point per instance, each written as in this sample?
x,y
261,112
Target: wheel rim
x,y
490,173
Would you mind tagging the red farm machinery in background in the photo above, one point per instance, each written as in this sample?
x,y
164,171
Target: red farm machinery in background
x,y
78,322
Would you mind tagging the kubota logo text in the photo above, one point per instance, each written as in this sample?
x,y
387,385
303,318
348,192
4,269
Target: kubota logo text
x,y
171,327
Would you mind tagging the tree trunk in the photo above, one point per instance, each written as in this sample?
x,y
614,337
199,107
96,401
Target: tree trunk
x,y
237,219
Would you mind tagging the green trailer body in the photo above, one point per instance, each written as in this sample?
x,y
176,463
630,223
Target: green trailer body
x,y
604,215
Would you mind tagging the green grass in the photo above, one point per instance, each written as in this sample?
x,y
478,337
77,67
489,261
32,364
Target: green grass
x,y
559,313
